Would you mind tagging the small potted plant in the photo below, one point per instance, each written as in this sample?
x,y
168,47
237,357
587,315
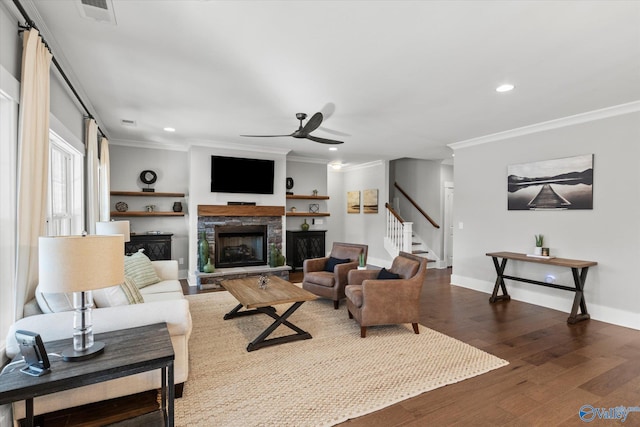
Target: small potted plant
x,y
361,264
539,243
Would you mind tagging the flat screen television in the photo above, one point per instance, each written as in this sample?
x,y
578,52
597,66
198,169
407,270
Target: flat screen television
x,y
240,175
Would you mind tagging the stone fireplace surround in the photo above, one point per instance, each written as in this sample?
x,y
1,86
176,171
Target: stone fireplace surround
x,y
210,216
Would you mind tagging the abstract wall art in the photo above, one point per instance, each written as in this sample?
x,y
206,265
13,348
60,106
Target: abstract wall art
x,y
370,201
353,202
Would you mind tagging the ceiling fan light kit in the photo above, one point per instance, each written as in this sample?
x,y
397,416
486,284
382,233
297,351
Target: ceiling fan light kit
x,y
304,131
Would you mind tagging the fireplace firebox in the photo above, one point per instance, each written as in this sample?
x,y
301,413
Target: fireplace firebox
x,y
240,245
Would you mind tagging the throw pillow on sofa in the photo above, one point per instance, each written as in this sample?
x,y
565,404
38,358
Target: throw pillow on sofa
x,y
124,294
332,262
139,270
385,274
54,302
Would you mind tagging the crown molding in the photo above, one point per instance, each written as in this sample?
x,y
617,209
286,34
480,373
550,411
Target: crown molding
x,y
308,160
590,116
149,145
240,147
375,163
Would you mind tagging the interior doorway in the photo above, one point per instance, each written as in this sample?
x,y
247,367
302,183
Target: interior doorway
x,y
448,223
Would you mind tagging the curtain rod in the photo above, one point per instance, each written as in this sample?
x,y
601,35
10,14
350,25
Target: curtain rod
x,y
31,24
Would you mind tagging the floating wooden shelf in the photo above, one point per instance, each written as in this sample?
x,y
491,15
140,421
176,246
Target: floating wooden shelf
x,y
305,197
145,213
146,194
308,214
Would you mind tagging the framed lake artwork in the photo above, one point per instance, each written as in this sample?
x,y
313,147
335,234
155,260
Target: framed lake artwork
x,y
558,184
353,202
370,201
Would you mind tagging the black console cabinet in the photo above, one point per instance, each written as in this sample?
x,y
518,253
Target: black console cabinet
x,y
156,246
303,245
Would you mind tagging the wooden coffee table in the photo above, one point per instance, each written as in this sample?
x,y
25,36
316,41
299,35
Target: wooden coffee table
x,y
256,300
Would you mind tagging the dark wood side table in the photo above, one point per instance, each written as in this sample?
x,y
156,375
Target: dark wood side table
x,y
578,268
127,352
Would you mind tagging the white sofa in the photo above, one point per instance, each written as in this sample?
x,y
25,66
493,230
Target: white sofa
x,y
163,302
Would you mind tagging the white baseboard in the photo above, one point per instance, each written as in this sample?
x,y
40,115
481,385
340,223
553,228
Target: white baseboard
x,y
551,298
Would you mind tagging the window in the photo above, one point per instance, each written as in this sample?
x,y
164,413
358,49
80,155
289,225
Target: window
x,y
8,160
64,207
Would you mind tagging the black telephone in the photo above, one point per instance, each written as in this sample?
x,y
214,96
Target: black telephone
x,y
33,352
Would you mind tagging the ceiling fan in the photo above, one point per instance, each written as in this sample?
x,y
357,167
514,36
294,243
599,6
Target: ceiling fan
x,y
303,131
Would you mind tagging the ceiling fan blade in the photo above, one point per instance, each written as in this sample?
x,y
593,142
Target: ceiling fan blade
x,y
328,109
323,140
312,124
334,132
266,136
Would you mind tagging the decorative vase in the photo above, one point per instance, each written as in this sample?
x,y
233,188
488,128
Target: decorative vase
x,y
537,250
305,226
273,255
208,267
177,207
203,251
280,260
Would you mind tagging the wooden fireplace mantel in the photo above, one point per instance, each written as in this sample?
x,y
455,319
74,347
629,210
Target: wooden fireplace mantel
x,y
239,210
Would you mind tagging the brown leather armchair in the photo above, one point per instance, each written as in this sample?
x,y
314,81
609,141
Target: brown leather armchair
x,y
386,302
327,282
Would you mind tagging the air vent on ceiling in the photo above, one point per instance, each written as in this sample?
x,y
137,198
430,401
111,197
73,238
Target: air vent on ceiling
x,y
97,10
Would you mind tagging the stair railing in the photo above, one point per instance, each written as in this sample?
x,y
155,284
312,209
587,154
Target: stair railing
x,y
404,193
398,231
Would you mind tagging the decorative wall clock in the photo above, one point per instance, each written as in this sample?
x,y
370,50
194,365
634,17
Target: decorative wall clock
x,y
148,177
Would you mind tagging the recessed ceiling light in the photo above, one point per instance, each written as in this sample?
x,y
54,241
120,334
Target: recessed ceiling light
x,y
336,165
505,87
169,129
333,148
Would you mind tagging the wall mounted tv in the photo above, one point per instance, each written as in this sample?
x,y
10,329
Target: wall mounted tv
x,y
240,175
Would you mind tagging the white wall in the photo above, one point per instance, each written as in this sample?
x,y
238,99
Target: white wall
x,y
608,234
199,169
361,228
172,170
10,43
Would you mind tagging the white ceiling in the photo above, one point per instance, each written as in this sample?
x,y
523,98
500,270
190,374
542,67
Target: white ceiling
x,y
399,78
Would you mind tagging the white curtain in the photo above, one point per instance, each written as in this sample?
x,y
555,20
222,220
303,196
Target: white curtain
x,y
93,179
105,197
33,164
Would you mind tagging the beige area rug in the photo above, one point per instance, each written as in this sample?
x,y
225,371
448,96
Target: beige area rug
x,y
323,381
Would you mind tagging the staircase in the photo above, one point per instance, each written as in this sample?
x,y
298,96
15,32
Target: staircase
x,y
399,237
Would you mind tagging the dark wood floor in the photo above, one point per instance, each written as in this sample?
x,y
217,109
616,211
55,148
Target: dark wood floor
x,y
554,368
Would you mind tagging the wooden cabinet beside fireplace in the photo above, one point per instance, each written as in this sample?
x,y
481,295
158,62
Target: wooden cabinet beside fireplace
x,y
303,245
156,246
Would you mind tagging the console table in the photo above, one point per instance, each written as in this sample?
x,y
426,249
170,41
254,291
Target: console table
x,y
127,352
578,268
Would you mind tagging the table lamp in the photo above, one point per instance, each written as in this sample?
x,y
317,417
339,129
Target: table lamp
x,y
80,264
114,227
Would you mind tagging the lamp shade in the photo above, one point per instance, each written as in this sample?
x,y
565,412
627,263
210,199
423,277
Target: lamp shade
x,y
113,227
80,263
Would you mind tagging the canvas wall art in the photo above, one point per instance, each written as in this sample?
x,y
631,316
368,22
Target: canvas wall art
x,y
353,202
370,201
559,184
